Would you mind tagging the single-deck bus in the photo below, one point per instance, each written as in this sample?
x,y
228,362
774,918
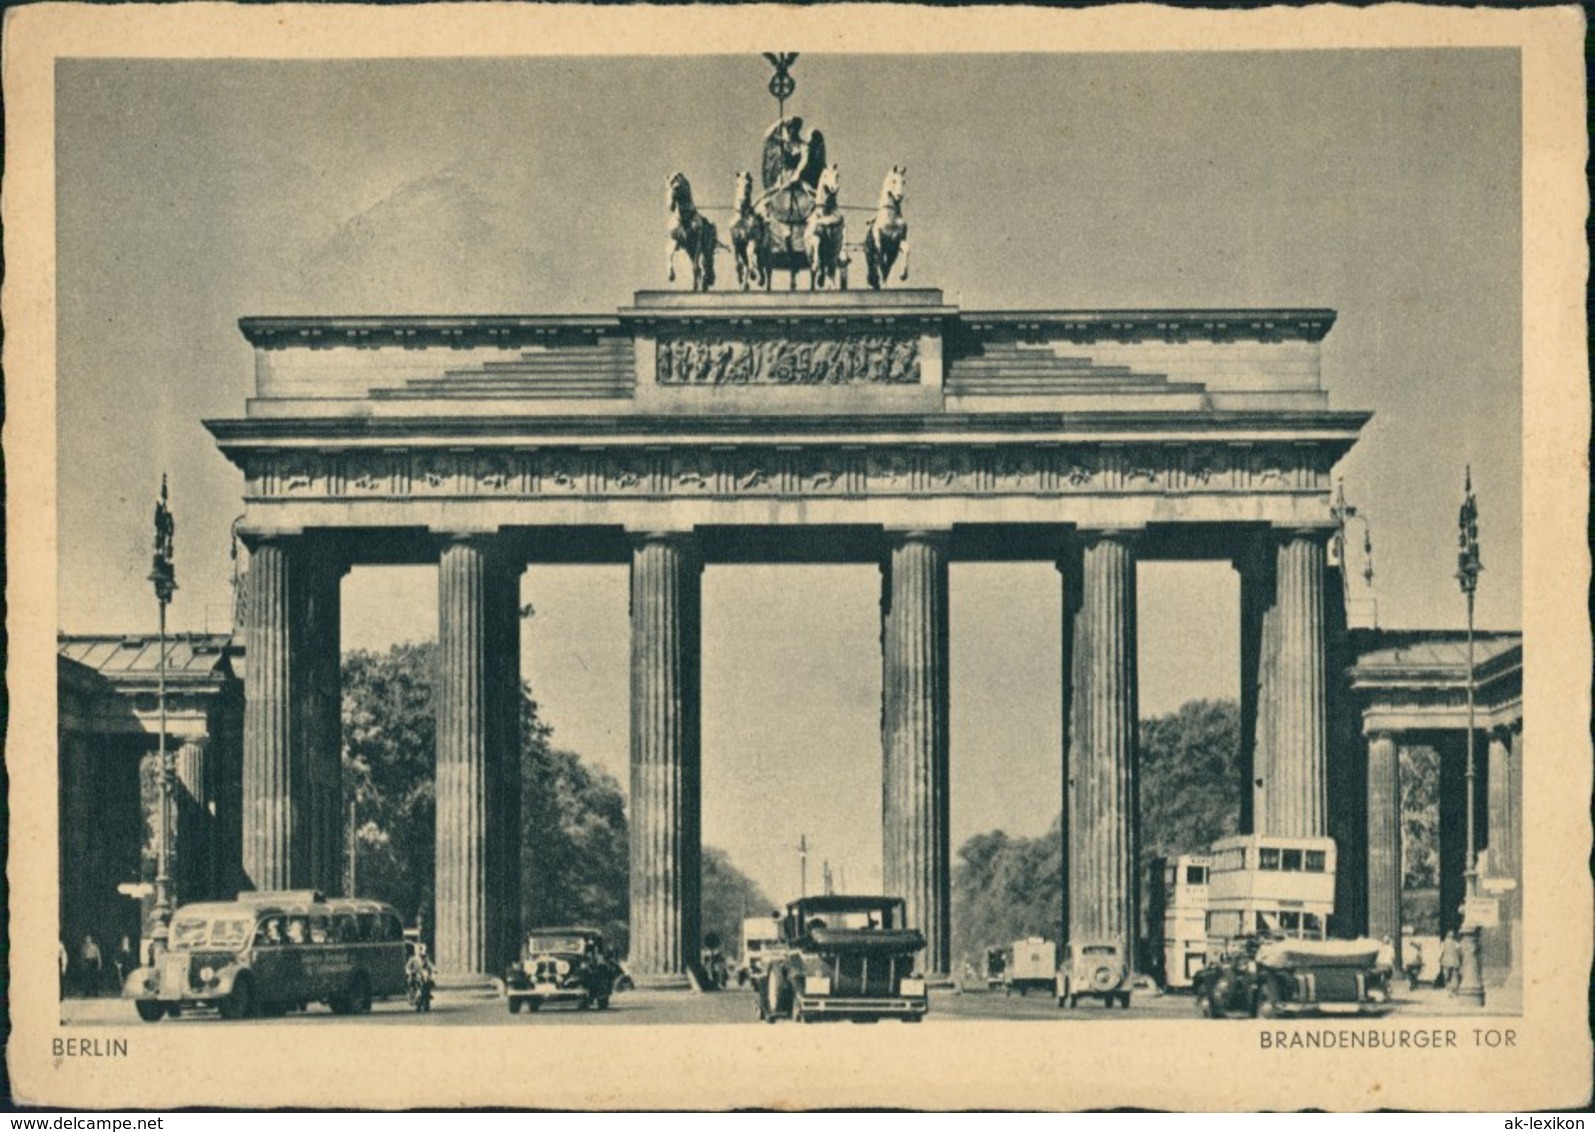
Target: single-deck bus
x,y
1267,886
270,952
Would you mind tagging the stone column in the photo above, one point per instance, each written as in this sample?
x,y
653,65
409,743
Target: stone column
x,y
276,809
1295,780
1070,571
196,848
1103,824
665,772
914,737
506,620
1384,837
1256,570
471,746
321,725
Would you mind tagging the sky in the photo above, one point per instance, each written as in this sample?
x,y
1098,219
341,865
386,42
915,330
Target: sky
x,y
1382,184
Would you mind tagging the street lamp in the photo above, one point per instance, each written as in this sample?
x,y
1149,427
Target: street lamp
x,y
163,576
1471,983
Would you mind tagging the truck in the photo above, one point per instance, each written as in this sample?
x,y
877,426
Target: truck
x,y
1034,966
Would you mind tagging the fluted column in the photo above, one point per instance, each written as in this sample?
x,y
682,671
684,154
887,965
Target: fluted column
x,y
1499,835
1104,833
1256,570
196,849
1296,771
472,745
321,727
665,773
1384,836
276,817
506,621
915,848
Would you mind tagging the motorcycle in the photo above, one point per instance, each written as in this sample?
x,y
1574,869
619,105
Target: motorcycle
x,y
418,989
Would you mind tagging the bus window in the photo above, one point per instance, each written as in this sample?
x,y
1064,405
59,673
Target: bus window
x,y
1290,922
296,930
318,928
369,927
1315,861
1311,925
344,929
391,928
230,933
270,933
1291,861
1195,874
1267,858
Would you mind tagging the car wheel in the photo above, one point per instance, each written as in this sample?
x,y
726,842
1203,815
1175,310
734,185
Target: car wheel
x,y
1206,1007
241,1002
514,1005
1124,1001
1267,1002
603,1003
531,1005
772,996
360,995
584,1003
150,1011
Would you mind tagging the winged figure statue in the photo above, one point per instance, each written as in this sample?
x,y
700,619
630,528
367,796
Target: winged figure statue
x,y
791,157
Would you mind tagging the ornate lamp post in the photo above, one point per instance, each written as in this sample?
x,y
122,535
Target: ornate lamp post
x,y
163,576
1471,986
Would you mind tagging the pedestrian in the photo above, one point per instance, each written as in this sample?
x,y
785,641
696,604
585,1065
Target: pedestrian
x,y
64,961
90,966
1451,962
1412,957
124,960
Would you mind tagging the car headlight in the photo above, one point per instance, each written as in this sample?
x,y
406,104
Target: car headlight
x,y
207,974
817,984
563,967
913,988
530,966
1377,994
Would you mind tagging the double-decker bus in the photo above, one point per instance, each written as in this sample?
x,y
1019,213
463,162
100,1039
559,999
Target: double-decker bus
x,y
270,952
1268,886
1177,918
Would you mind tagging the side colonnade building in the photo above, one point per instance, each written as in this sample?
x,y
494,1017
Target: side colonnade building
x,y
876,427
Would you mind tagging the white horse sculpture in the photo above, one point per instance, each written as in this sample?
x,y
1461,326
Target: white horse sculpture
x,y
886,235
749,233
823,237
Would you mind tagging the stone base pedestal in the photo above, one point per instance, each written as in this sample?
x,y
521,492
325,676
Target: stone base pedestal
x,y
663,982
466,986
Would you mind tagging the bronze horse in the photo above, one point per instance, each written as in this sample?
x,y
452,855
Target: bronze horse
x,y
691,232
887,232
823,238
749,234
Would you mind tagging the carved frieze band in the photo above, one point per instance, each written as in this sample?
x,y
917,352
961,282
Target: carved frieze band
x,y
769,470
793,358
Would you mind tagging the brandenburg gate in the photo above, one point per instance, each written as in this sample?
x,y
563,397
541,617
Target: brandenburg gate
x,y
690,428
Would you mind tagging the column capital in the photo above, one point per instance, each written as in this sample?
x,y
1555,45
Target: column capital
x,y
1125,536
1381,735
933,535
1304,532
255,538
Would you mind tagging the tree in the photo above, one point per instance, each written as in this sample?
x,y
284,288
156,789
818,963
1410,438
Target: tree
x,y
1420,817
1191,781
728,898
574,865
1007,888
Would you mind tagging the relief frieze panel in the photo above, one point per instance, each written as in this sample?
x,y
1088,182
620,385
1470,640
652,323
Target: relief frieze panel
x,y
795,357
1055,469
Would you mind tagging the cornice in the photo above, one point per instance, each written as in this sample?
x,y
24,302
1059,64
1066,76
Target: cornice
x,y
1319,428
1264,324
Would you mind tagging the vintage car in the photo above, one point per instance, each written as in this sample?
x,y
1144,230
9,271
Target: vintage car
x,y
1093,968
1034,966
561,965
845,957
1276,978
